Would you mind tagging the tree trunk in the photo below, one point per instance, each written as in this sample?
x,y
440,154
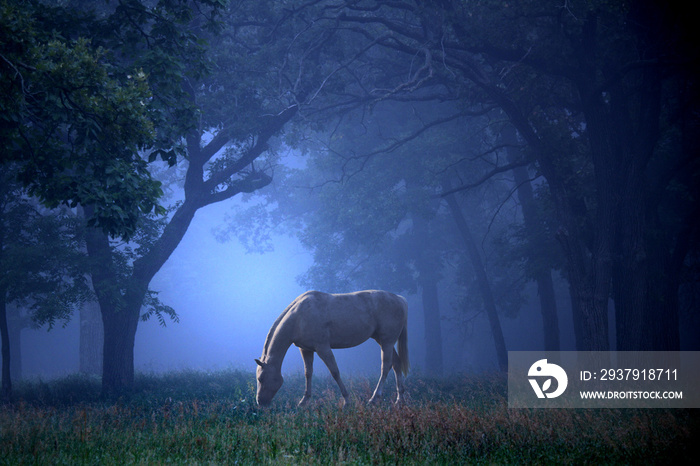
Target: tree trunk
x,y
428,278
118,320
433,330
6,390
91,339
121,309
15,324
542,275
634,324
589,285
118,355
482,280
663,302
580,331
6,384
91,333
548,305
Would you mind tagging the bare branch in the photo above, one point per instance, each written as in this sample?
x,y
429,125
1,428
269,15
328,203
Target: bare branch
x,y
485,178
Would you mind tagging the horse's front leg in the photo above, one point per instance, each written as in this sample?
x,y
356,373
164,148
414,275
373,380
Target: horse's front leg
x,y
387,353
327,357
308,357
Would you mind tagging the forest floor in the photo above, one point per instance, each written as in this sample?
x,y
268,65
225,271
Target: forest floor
x,y
212,418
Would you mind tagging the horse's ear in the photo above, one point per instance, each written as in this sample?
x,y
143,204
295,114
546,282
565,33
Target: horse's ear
x,y
260,363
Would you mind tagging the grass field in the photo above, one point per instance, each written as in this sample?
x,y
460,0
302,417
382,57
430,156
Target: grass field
x,y
211,418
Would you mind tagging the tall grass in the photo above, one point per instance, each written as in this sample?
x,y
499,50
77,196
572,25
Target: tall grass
x,y
199,418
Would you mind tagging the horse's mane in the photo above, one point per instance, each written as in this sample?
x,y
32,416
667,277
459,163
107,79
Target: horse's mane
x,y
270,334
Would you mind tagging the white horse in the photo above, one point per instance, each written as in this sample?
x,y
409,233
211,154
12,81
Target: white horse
x,y
318,322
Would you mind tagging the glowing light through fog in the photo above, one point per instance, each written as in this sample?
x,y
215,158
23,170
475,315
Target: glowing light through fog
x,y
226,299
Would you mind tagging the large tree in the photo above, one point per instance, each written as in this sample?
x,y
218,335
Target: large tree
x,y
266,64
77,113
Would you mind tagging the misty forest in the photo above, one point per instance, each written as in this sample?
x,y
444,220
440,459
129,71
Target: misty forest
x,y
175,172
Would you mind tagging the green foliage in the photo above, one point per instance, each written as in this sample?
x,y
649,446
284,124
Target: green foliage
x,y
72,122
154,307
165,40
195,417
76,113
41,265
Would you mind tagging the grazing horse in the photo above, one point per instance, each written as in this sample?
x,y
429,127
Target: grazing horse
x,y
317,322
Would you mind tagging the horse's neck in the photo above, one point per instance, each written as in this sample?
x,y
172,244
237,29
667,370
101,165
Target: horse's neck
x,y
279,344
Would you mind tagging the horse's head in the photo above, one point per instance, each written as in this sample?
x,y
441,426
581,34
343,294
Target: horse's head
x,y
269,381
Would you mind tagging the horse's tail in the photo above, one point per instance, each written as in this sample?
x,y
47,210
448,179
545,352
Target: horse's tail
x,y
403,351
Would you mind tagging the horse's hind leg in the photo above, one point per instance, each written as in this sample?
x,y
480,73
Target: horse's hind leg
x,y
387,353
396,364
327,357
308,357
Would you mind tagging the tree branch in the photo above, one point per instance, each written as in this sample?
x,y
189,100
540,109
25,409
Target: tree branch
x,y
485,178
273,127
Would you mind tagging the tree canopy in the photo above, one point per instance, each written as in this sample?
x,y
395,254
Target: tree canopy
x,y
72,121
